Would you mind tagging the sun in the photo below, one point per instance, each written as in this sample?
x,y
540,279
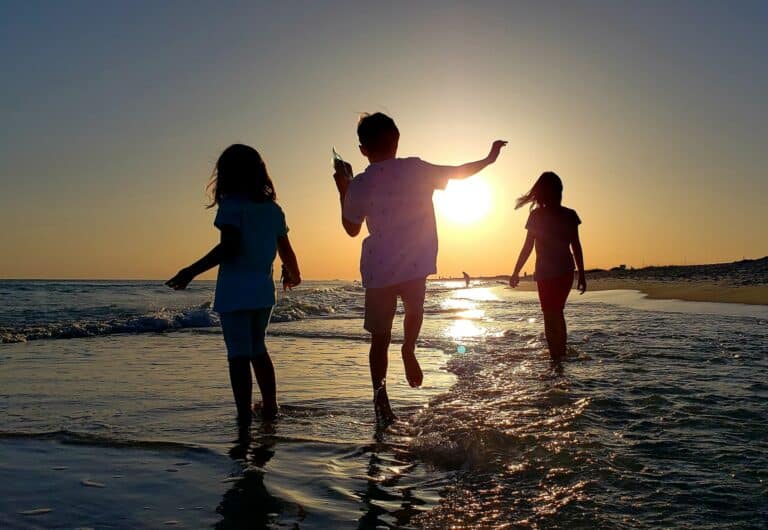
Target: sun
x,y
464,201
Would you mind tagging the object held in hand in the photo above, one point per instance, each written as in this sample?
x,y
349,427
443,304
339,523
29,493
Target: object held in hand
x,y
341,166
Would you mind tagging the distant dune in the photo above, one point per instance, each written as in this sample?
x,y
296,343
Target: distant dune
x,y
743,282
744,272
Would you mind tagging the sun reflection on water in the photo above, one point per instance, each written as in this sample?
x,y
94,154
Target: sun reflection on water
x,y
468,318
463,329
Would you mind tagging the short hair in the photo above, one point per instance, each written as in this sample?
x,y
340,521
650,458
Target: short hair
x,y
377,131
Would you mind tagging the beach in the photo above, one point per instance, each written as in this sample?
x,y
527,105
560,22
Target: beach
x,y
690,290
116,412
740,282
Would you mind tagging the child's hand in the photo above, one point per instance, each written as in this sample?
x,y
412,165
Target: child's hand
x,y
581,285
342,175
514,280
181,280
289,280
495,150
290,284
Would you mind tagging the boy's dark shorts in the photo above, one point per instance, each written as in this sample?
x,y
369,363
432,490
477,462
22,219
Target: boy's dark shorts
x,y
381,303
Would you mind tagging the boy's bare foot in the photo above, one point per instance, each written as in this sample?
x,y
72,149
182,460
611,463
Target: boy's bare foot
x,y
413,371
384,414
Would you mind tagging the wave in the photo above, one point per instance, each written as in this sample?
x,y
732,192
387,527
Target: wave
x,y
97,440
164,319
289,309
161,320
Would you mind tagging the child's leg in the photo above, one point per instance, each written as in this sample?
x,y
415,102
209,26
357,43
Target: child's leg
x,y
380,306
265,377
553,293
236,329
378,359
262,363
555,331
240,378
412,294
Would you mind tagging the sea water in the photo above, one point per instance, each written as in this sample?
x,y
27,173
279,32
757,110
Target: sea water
x,y
116,411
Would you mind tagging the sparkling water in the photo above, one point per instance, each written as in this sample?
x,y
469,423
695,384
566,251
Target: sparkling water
x,y
660,418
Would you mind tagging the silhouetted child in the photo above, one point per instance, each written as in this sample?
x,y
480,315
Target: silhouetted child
x,y
253,230
554,230
394,197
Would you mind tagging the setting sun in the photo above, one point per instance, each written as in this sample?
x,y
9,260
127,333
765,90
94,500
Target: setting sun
x,y
464,201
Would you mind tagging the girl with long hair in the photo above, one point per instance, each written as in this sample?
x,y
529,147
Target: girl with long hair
x,y
253,232
553,230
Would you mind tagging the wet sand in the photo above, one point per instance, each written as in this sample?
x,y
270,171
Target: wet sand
x,y
689,290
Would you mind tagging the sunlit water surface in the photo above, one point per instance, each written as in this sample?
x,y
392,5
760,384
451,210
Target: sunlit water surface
x,y
660,418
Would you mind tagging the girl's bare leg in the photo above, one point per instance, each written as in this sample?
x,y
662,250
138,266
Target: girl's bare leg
x,y
240,378
265,377
555,331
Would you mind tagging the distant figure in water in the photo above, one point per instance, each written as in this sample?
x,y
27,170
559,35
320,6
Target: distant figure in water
x,y
554,230
253,231
466,279
394,197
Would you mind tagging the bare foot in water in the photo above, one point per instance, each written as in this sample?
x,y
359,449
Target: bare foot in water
x,y
268,413
412,369
384,414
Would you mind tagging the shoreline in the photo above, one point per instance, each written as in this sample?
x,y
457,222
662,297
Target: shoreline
x,y
686,290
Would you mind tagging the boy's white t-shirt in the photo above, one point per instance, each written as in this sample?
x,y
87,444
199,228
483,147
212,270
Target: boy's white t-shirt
x,y
245,281
394,197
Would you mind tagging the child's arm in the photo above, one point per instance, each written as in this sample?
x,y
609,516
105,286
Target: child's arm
x,y
578,255
525,252
341,177
228,247
291,274
470,168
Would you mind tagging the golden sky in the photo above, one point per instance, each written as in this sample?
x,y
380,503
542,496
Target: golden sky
x,y
656,123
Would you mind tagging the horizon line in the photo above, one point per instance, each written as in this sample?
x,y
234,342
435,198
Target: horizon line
x,y
629,267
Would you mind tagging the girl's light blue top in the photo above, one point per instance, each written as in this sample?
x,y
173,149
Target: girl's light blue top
x,y
245,281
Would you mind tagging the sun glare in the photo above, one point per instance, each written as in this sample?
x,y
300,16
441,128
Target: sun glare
x,y
464,201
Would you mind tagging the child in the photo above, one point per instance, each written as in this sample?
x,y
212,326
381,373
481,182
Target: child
x,y
554,230
253,230
394,197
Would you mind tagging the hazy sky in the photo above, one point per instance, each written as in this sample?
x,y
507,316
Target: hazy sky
x,y
654,114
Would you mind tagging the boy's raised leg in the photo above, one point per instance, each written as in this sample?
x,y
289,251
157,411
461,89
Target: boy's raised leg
x,y
412,324
412,295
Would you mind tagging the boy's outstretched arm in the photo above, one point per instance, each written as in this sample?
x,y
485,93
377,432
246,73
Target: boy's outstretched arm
x,y
291,274
228,247
525,253
470,168
578,255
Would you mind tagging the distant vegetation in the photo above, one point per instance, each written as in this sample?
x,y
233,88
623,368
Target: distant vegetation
x,y
743,272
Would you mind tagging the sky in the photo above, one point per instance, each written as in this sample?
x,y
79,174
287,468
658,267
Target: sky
x,y
113,115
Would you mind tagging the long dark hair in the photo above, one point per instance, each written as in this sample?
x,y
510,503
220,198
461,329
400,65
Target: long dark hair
x,y
240,170
547,191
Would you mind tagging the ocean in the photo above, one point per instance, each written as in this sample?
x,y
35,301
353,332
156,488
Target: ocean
x,y
116,412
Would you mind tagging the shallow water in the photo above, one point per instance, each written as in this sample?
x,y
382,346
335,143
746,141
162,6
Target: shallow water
x,y
660,417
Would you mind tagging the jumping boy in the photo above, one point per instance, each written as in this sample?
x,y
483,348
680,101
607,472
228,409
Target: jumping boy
x,y
394,197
